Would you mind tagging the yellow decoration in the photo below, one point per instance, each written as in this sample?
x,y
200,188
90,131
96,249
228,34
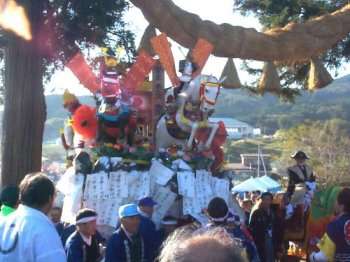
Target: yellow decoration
x,y
145,87
111,61
327,247
68,98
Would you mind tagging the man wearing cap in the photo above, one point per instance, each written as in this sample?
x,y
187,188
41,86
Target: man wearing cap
x,y
147,227
82,245
127,244
300,173
9,199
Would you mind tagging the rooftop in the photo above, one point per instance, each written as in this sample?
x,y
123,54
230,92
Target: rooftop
x,y
255,155
236,166
229,122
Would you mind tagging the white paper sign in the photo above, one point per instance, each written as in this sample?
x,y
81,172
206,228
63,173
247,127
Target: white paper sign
x,y
186,183
221,188
143,186
96,186
161,173
203,189
118,184
190,206
106,209
164,198
133,184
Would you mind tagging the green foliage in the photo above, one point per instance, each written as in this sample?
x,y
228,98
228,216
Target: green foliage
x,y
65,25
278,13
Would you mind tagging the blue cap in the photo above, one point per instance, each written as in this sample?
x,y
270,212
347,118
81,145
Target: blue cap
x,y
147,202
128,210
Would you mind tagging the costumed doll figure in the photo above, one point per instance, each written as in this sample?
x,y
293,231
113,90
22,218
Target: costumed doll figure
x,y
115,119
80,127
301,174
186,68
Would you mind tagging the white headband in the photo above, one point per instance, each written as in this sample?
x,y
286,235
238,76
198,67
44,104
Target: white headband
x,y
170,222
85,220
220,219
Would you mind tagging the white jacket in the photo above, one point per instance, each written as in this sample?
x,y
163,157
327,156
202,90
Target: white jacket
x,y
28,235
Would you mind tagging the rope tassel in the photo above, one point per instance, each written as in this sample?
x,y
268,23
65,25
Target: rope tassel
x,y
319,77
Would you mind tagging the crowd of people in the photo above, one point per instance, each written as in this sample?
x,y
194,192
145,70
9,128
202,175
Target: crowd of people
x,y
31,230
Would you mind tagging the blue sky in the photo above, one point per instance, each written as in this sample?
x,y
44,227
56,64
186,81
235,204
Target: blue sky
x,y
219,11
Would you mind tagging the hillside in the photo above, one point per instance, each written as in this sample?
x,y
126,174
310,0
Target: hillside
x,y
270,114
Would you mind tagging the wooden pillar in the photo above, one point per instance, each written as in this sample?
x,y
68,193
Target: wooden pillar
x,y
158,93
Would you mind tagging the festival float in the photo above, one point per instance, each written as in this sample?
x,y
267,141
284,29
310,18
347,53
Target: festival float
x,y
143,140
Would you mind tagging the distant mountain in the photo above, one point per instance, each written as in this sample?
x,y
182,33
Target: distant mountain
x,y
270,114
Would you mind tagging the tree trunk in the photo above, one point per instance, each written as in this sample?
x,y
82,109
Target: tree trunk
x,y
292,43
24,113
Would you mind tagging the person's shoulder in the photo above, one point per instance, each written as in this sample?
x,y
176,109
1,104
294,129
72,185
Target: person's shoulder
x,y
74,238
338,222
146,220
257,211
117,239
117,235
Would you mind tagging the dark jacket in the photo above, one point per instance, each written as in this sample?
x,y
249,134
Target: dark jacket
x,y
339,232
263,225
299,174
150,235
78,251
121,249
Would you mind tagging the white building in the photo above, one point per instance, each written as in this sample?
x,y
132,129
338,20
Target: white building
x,y
237,129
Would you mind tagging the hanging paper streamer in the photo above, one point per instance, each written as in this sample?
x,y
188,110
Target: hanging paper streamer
x,y
138,71
145,43
200,54
83,72
161,46
85,122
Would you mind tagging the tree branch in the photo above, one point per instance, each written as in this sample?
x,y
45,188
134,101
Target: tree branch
x,y
294,42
